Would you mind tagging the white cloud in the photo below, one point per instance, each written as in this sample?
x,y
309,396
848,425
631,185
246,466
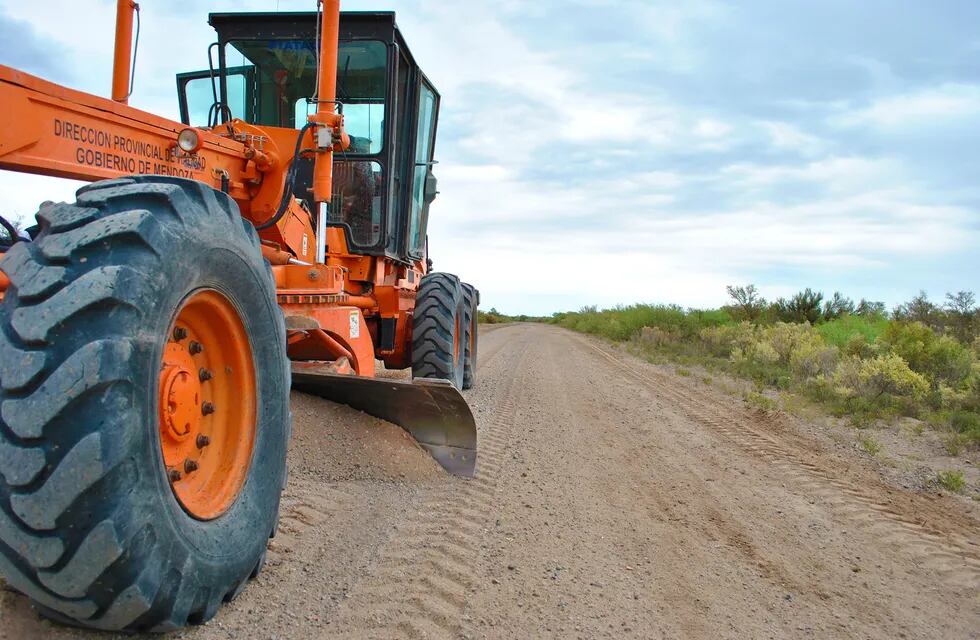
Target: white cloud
x,y
788,137
935,105
837,174
573,172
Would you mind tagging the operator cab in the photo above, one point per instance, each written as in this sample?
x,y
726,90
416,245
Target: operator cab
x,y
266,74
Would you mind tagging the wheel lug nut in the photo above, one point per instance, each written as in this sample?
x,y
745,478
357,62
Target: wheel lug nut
x,y
195,347
190,466
207,408
180,333
205,375
203,441
173,475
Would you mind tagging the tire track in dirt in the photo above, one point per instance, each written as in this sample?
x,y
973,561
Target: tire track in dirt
x,y
485,359
680,591
951,553
419,584
301,510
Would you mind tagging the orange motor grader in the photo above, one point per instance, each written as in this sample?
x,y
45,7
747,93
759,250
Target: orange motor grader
x,y
151,330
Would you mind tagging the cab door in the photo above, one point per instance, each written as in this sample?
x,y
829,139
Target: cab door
x,y
423,187
198,95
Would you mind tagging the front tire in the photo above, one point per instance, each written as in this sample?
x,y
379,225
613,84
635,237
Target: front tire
x,y
439,329
94,524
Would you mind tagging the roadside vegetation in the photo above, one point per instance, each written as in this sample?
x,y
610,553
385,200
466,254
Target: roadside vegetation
x,y
857,360
495,317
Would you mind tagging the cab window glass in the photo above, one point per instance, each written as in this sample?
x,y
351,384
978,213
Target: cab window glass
x,y
423,156
358,189
285,78
200,98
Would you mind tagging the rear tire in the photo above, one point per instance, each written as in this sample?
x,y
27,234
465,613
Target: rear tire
x,y
439,329
90,527
471,298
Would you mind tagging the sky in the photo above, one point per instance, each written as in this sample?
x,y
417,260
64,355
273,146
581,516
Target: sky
x,y
610,152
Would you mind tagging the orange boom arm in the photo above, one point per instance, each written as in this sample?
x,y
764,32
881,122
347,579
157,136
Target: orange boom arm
x,y
55,131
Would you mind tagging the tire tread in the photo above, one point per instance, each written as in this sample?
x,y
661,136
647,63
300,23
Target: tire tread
x,y
437,303
99,253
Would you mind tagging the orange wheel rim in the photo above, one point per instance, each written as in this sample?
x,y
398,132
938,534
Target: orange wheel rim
x,y
207,405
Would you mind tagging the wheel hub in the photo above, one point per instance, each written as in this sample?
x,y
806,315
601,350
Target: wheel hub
x,y
180,394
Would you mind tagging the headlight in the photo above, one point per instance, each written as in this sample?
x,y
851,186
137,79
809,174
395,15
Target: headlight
x,y
189,140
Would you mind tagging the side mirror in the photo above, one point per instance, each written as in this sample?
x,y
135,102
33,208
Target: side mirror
x,y
431,187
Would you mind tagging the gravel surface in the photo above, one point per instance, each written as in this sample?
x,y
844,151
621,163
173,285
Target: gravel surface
x,y
614,499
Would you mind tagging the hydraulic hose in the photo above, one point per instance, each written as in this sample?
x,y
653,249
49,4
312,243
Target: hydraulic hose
x,y
287,193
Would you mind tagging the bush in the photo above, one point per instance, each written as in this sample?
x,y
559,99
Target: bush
x,y
723,340
890,374
748,303
764,353
839,305
811,358
962,310
871,445
657,337
622,323
951,480
759,401
940,358
785,338
802,307
964,427
920,309
841,331
859,364
871,386
859,346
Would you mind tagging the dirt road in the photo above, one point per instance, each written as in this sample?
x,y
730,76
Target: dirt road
x,y
613,500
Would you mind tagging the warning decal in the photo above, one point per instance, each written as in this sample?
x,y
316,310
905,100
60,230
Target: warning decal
x,y
355,324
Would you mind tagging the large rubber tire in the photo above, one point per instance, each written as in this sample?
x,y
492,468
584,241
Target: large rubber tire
x,y
439,329
471,302
90,528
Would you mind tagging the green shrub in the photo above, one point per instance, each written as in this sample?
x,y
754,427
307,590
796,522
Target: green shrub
x,y
841,332
623,323
871,445
722,340
956,443
490,317
858,346
879,379
839,305
964,428
757,353
890,374
657,337
802,307
951,480
940,358
811,358
858,364
759,401
965,422
785,337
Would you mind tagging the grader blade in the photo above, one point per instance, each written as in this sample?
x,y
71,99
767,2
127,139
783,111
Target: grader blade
x,y
432,411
